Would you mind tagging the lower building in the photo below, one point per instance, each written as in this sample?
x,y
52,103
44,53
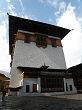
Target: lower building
x,y
4,82
42,81
77,76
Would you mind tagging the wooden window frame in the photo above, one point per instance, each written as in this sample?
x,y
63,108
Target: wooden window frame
x,y
53,42
41,41
27,38
52,84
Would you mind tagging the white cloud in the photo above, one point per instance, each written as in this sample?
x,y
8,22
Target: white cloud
x,y
6,6
3,30
11,7
8,1
25,16
59,5
4,13
53,2
4,45
67,17
13,13
61,9
72,43
62,5
50,2
4,48
21,4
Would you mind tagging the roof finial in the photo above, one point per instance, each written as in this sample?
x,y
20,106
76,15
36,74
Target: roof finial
x,y
44,64
72,29
8,14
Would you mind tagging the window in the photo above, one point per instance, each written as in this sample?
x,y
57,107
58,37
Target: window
x,y
70,87
49,84
34,87
27,38
66,87
27,88
53,42
41,41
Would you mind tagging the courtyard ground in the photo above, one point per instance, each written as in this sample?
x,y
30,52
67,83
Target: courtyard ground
x,y
63,102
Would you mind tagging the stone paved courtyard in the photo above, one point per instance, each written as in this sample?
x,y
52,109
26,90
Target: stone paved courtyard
x,y
63,102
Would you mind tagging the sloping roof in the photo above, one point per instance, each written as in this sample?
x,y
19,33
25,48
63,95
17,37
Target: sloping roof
x,y
16,23
40,69
75,68
3,77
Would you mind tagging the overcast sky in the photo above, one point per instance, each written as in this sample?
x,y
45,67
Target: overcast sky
x,y
63,13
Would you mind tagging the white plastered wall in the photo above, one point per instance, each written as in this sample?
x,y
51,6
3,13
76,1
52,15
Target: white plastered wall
x,y
30,82
69,82
29,55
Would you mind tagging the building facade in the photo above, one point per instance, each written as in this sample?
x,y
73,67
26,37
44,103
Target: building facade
x,y
37,59
4,82
77,76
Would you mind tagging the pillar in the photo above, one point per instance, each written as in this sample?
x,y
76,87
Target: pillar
x,y
39,85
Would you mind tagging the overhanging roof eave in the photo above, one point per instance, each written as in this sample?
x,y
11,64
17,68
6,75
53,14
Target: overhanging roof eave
x,y
23,69
17,23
